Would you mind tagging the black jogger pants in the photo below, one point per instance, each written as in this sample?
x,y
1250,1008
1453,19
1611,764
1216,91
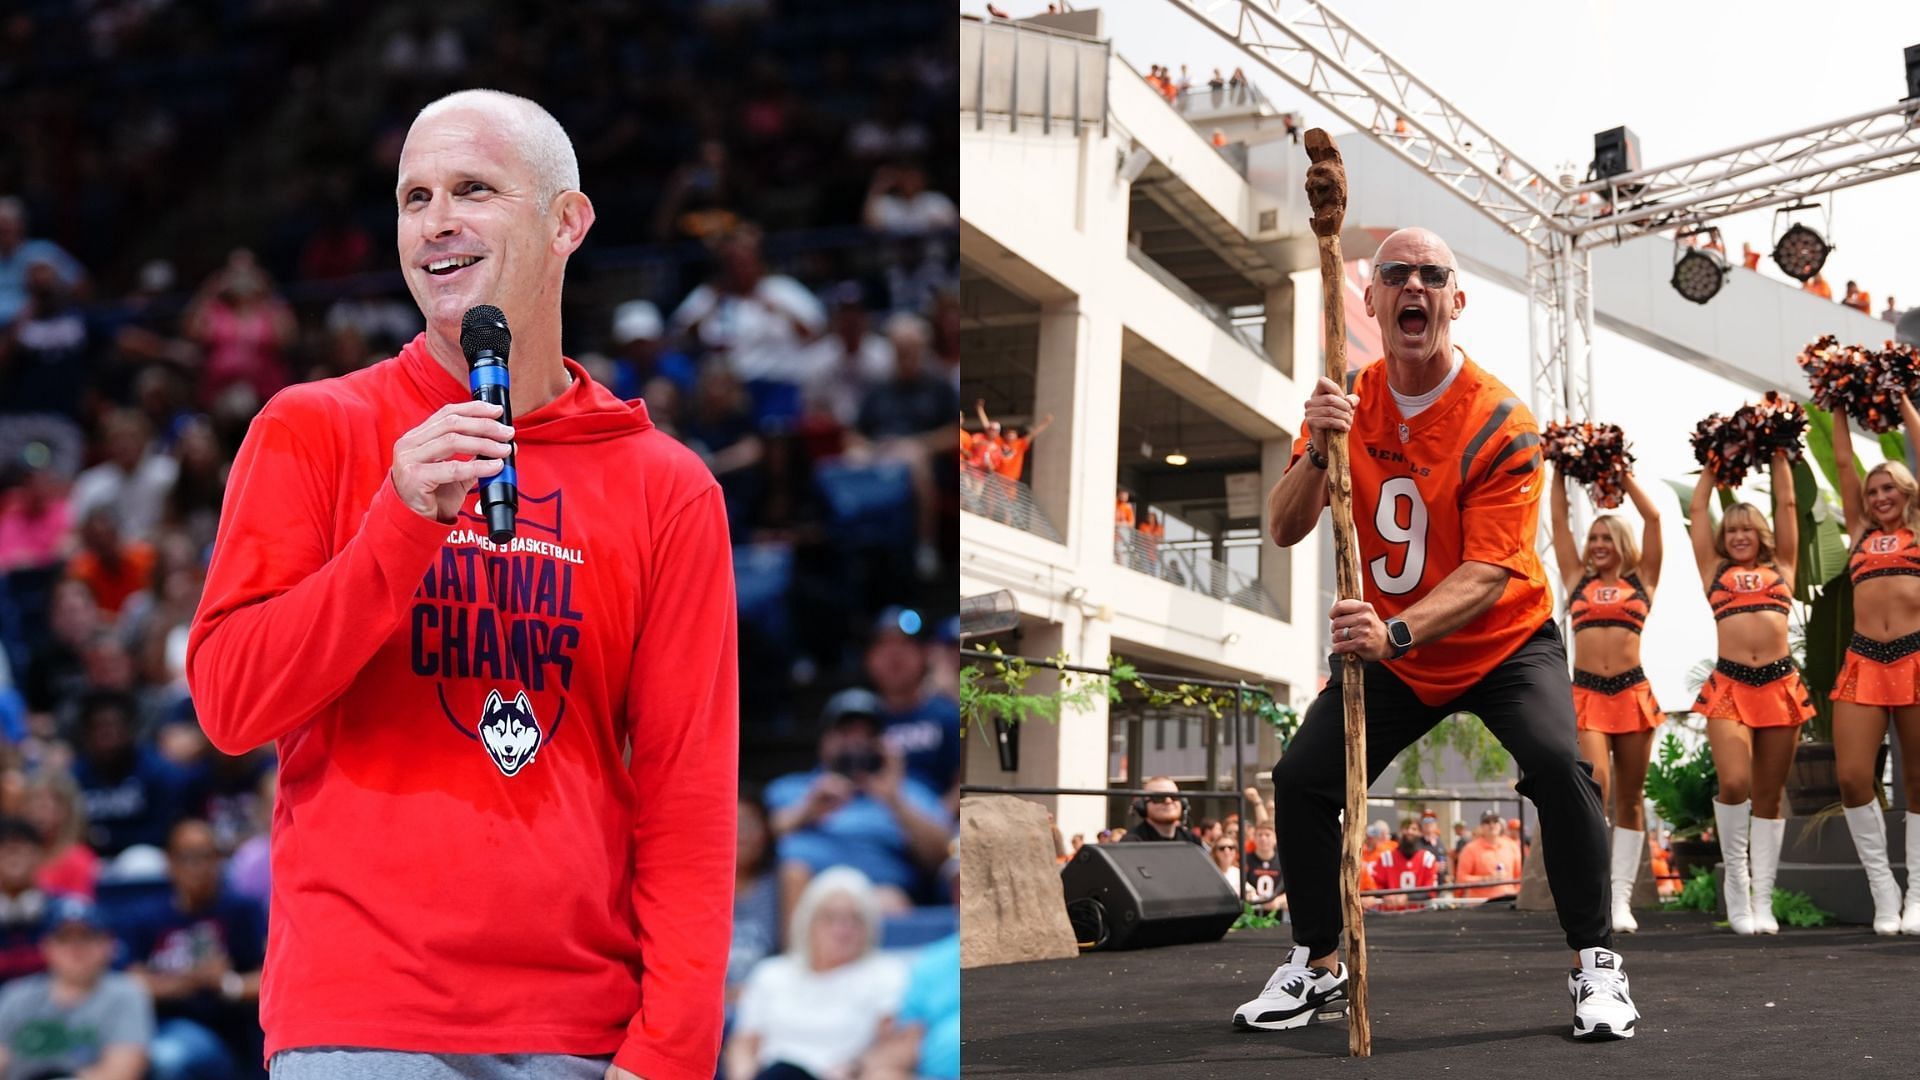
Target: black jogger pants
x,y
1527,702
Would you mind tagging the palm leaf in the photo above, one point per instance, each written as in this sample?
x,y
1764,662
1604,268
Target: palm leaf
x,y
1894,446
1823,545
1685,491
1820,443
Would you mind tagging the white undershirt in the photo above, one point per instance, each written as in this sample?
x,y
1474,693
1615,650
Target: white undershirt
x,y
1411,407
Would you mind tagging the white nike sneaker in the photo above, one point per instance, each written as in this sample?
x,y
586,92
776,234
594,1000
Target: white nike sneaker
x,y
1296,995
1601,1007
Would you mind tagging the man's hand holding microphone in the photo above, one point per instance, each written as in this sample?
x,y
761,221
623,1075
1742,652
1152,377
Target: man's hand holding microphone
x,y
435,465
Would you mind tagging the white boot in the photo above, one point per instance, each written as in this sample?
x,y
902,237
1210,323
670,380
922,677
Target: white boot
x,y
1869,831
1768,835
1627,846
1910,917
1732,824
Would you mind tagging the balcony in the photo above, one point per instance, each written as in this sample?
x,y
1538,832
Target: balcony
x,y
1033,75
1234,328
1185,566
1009,502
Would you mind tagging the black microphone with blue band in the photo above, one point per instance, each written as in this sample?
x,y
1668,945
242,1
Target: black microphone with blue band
x,y
485,340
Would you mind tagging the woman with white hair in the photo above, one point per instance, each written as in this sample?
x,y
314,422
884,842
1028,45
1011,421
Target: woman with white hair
x,y
811,1012
1610,582
1881,674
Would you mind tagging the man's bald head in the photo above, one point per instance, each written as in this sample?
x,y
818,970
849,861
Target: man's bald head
x,y
542,142
1416,245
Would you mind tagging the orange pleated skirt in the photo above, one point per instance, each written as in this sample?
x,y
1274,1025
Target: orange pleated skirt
x,y
1620,713
1867,681
1781,702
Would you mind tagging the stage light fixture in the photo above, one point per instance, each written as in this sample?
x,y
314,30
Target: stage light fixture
x,y
1698,272
1176,458
1800,252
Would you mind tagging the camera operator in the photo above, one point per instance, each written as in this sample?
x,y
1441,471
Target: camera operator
x,y
859,808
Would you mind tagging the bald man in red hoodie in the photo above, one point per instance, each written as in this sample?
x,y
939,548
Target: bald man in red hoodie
x,y
481,746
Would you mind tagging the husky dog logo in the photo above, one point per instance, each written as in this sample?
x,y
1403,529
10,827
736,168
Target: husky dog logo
x,y
509,731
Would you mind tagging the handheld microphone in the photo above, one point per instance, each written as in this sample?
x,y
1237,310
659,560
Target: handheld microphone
x,y
485,340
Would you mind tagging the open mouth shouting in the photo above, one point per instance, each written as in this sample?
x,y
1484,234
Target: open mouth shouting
x,y
1412,322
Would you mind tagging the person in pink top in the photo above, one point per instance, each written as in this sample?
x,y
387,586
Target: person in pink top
x,y
242,326
52,804
34,519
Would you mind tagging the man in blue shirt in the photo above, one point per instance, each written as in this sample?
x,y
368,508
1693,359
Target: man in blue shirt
x,y
859,808
132,794
923,724
17,253
199,954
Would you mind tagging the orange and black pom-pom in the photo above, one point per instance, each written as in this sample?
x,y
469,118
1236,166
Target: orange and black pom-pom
x,y
1864,383
1719,445
1592,454
1779,423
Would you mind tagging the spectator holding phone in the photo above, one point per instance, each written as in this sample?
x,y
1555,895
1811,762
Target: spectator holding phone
x,y
859,808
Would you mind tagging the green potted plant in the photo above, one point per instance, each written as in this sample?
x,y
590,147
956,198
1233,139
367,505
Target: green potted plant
x,y
1681,785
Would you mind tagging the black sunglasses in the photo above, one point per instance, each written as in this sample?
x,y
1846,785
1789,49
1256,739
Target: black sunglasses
x,y
1162,798
1395,274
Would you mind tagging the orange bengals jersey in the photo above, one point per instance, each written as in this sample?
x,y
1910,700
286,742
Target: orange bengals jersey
x,y
1459,482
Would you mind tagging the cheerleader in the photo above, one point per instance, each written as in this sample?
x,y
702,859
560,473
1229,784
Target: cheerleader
x,y
1610,583
1755,700
1881,675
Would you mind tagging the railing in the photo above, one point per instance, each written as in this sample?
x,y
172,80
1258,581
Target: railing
x,y
1008,502
1200,100
1235,154
1185,292
1026,72
1189,569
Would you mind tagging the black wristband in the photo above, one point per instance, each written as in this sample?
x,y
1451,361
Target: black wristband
x,y
1319,460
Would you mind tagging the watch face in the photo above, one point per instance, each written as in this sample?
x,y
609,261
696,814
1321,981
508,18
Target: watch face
x,y
1398,633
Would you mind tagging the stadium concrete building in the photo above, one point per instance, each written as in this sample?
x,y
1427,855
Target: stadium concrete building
x,y
1125,276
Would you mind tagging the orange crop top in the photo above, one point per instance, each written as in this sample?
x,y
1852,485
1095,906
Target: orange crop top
x,y
1737,590
1596,603
1880,553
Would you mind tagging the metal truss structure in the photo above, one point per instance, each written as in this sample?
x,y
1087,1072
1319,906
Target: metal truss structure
x,y
1314,49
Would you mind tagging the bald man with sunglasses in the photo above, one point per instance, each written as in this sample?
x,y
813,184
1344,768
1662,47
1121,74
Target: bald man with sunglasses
x,y
1457,617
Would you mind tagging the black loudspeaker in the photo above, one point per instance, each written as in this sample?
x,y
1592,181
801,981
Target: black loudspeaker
x,y
1615,151
1151,893
1913,72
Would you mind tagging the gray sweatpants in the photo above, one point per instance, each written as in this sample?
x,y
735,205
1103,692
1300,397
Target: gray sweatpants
x,y
350,1063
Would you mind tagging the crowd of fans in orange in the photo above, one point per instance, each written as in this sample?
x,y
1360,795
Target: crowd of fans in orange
x,y
1417,858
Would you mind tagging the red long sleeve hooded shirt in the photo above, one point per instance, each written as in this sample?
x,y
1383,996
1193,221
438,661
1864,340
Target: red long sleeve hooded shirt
x,y
507,774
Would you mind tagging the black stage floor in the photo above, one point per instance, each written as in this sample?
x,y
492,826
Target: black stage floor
x,y
1477,993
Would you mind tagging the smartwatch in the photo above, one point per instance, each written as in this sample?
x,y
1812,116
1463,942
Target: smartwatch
x,y
1399,636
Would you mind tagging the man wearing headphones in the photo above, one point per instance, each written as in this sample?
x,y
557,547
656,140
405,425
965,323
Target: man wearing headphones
x,y
1160,814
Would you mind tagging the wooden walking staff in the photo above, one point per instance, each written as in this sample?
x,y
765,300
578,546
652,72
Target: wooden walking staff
x,y
1327,195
